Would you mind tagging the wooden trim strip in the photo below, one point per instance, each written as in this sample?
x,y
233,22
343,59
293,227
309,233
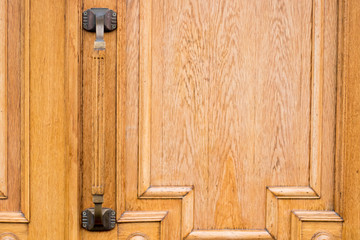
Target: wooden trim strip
x,y
293,192
120,106
166,192
13,217
73,125
348,113
318,216
25,115
145,97
314,188
230,234
3,100
142,216
316,98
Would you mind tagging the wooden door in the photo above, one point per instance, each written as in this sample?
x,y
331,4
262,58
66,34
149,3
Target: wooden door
x,y
223,119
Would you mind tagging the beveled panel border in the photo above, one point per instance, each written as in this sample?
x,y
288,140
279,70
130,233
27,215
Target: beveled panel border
x,y
3,100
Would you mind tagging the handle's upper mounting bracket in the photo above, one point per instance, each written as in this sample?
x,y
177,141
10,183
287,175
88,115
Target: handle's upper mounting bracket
x,y
89,19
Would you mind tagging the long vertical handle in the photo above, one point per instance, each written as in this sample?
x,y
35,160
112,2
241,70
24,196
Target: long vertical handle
x,y
98,121
98,218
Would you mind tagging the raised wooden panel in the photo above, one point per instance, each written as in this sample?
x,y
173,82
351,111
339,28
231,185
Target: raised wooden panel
x,y
209,118
3,102
316,225
142,225
15,88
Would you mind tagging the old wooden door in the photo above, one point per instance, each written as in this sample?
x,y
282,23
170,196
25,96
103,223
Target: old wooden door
x,y
217,119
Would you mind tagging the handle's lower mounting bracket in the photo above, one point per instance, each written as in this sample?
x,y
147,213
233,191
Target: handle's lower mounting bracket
x,y
98,218
91,222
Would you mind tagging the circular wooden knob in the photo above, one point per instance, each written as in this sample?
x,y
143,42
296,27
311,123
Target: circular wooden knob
x,y
137,236
323,236
8,236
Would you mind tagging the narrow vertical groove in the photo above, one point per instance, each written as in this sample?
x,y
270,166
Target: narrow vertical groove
x,y
98,121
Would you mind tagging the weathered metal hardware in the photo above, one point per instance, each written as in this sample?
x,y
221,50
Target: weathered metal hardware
x,y
89,19
90,220
98,20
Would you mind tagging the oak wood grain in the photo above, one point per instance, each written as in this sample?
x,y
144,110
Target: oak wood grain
x,y
185,128
348,167
47,105
240,95
3,98
73,124
17,99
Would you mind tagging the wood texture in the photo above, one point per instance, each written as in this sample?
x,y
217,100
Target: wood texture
x,y
213,101
16,207
141,216
348,167
3,102
139,231
25,113
98,121
247,234
120,106
145,96
73,124
316,225
198,130
48,165
109,132
13,231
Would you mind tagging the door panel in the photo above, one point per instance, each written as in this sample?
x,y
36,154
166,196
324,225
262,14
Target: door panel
x,y
14,133
230,114
222,117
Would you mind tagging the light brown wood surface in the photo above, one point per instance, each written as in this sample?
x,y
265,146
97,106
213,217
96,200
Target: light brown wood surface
x,y
3,102
15,208
348,166
220,119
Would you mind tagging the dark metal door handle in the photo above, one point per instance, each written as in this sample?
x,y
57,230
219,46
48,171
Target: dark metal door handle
x,y
98,20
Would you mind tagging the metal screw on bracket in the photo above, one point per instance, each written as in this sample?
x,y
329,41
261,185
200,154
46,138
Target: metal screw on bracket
x,y
90,15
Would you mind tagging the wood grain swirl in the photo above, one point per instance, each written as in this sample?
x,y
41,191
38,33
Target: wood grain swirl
x,y
231,101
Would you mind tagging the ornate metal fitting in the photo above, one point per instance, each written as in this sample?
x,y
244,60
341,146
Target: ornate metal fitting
x,y
89,19
107,219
